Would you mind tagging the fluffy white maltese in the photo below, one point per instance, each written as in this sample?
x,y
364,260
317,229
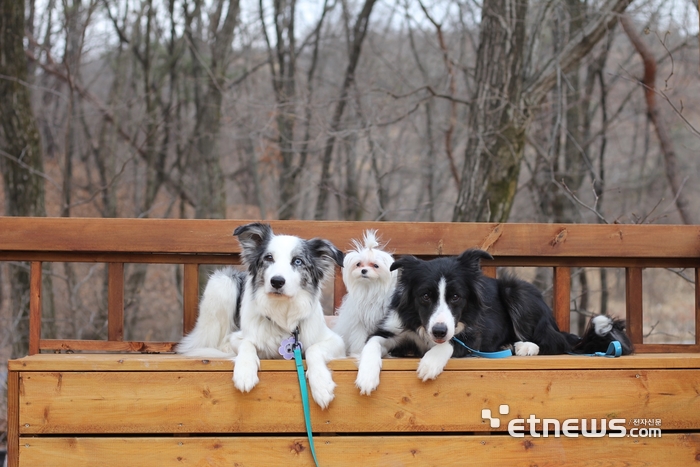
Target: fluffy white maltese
x,y
370,285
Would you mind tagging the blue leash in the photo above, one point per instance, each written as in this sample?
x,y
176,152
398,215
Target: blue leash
x,y
614,350
499,354
304,393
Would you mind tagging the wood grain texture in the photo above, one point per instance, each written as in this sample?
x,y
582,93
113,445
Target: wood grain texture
x,y
35,306
561,301
190,297
634,305
672,450
12,418
170,362
419,238
195,402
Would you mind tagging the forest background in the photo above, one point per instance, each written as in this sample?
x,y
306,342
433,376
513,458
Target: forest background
x,y
405,110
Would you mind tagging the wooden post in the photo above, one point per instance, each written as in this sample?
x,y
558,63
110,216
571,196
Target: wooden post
x,y
697,301
34,307
115,305
562,297
489,271
190,297
13,419
339,289
634,304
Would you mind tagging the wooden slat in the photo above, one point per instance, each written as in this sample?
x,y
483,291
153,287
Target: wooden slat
x,y
634,305
107,346
115,302
697,306
339,289
12,418
489,271
190,297
418,238
35,307
671,450
171,362
207,402
561,301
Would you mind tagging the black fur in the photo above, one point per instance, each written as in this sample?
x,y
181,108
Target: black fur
x,y
489,314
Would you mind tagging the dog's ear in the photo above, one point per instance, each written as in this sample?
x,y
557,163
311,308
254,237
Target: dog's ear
x,y
323,248
251,236
472,258
404,261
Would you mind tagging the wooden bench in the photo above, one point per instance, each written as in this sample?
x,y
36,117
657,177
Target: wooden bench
x,y
119,403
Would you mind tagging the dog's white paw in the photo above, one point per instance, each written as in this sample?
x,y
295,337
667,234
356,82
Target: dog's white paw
x,y
322,386
526,349
245,376
367,379
434,361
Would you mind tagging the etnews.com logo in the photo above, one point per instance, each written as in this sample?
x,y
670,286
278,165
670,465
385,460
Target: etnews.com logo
x,y
571,427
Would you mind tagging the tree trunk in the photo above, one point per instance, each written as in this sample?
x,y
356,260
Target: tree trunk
x,y
20,154
496,120
355,47
665,141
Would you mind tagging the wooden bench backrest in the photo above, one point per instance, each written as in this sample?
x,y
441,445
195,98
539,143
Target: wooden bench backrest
x,y
195,242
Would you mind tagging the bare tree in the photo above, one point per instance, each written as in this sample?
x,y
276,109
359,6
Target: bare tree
x,y
21,158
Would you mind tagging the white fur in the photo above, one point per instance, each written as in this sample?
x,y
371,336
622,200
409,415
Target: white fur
x,y
268,315
209,338
369,284
434,361
442,315
526,349
370,365
602,324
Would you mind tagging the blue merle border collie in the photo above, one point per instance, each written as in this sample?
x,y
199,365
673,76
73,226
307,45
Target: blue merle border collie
x,y
249,315
450,297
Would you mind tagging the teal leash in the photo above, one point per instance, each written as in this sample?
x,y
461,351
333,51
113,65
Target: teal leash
x,y
614,350
499,354
304,393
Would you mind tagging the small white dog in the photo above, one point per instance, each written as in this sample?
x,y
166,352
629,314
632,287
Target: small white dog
x,y
276,302
370,284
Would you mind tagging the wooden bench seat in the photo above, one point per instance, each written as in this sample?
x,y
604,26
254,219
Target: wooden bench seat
x,y
106,403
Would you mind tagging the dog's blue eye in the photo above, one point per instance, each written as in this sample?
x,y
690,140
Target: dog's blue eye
x,y
268,257
297,262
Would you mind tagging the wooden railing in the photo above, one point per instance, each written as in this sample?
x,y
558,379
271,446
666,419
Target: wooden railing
x,y
195,242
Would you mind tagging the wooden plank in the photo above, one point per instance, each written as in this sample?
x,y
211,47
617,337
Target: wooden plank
x,y
35,280
418,238
671,450
115,302
489,271
171,362
106,346
190,297
339,289
634,305
697,306
561,301
207,402
12,418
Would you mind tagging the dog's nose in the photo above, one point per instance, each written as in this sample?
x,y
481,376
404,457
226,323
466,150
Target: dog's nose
x,y
364,271
277,282
439,330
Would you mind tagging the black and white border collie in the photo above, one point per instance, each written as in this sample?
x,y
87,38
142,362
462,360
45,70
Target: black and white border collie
x,y
450,297
251,314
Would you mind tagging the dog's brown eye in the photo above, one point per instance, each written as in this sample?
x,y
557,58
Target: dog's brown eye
x,y
425,298
268,257
376,266
358,265
454,298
